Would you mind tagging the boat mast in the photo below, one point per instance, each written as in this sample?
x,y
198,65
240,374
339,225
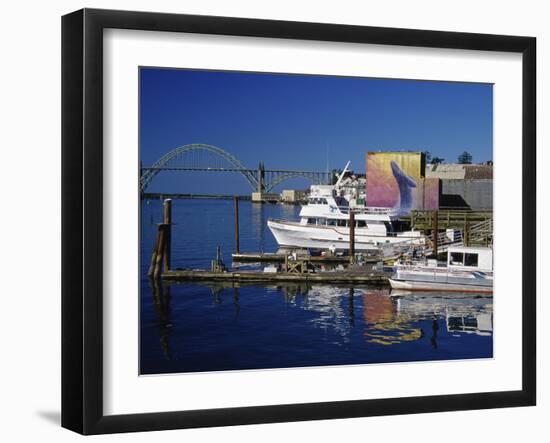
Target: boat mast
x,y
342,174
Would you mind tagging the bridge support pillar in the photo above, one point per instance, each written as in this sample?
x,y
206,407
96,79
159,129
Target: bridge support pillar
x,y
261,177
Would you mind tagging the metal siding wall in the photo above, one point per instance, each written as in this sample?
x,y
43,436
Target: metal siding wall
x,y
478,194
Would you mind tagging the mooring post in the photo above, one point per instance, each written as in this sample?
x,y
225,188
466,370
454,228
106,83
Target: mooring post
x,y
351,237
435,229
236,205
167,220
154,255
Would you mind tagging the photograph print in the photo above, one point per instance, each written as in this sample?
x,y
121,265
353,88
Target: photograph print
x,y
291,221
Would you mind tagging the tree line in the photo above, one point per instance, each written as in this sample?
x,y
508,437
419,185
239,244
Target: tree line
x,y
464,159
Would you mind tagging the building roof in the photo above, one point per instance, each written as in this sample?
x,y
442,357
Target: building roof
x,y
459,171
478,172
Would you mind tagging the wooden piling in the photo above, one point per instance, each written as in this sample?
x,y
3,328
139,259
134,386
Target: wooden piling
x,y
160,252
435,229
154,255
351,237
236,205
167,220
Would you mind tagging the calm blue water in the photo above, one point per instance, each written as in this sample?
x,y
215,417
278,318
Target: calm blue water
x,y
212,327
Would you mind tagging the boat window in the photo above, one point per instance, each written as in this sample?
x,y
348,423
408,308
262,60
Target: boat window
x,y
311,221
324,201
331,222
457,258
342,223
361,224
470,259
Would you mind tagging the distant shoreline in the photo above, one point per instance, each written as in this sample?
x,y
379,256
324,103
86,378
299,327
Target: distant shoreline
x,y
160,196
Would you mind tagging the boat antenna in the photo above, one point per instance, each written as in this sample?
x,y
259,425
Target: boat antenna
x,y
343,173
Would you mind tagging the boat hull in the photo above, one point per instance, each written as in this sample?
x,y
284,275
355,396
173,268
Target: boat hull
x,y
410,285
295,235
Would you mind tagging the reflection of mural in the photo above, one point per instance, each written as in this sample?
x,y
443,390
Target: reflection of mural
x,y
384,326
396,180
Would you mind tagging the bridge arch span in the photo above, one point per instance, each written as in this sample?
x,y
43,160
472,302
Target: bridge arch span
x,y
316,179
172,156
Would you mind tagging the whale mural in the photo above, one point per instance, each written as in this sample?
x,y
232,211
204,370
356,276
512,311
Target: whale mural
x,y
396,180
406,186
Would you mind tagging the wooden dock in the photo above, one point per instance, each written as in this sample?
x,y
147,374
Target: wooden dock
x,y
268,257
300,268
365,277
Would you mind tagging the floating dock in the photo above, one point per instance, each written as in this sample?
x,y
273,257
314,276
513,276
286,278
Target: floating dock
x,y
268,257
364,277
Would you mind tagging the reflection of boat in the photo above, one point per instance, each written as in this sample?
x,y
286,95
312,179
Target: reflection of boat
x,y
324,224
481,323
467,269
327,303
462,313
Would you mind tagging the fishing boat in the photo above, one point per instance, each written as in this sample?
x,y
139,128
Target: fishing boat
x,y
324,224
467,269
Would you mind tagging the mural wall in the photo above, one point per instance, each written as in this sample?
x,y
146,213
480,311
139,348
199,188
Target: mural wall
x,y
396,180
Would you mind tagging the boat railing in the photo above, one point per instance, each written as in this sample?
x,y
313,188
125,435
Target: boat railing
x,y
279,220
440,270
368,210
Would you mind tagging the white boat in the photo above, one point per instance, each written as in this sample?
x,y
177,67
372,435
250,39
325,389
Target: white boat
x,y
468,269
324,224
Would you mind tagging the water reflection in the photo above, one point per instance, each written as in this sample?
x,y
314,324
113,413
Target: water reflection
x,y
386,318
258,223
220,326
236,302
384,324
327,303
351,307
161,300
463,313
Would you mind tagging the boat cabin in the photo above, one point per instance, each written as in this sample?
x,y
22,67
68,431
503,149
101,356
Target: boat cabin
x,y
470,258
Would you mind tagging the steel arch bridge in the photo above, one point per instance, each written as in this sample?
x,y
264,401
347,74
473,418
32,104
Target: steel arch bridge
x,y
208,158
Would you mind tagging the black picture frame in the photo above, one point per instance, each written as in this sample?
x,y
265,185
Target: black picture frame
x,y
82,218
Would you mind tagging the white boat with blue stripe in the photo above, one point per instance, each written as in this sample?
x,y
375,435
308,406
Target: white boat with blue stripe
x,y
468,269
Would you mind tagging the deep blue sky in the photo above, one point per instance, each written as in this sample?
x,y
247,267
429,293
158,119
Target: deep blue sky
x,y
290,121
